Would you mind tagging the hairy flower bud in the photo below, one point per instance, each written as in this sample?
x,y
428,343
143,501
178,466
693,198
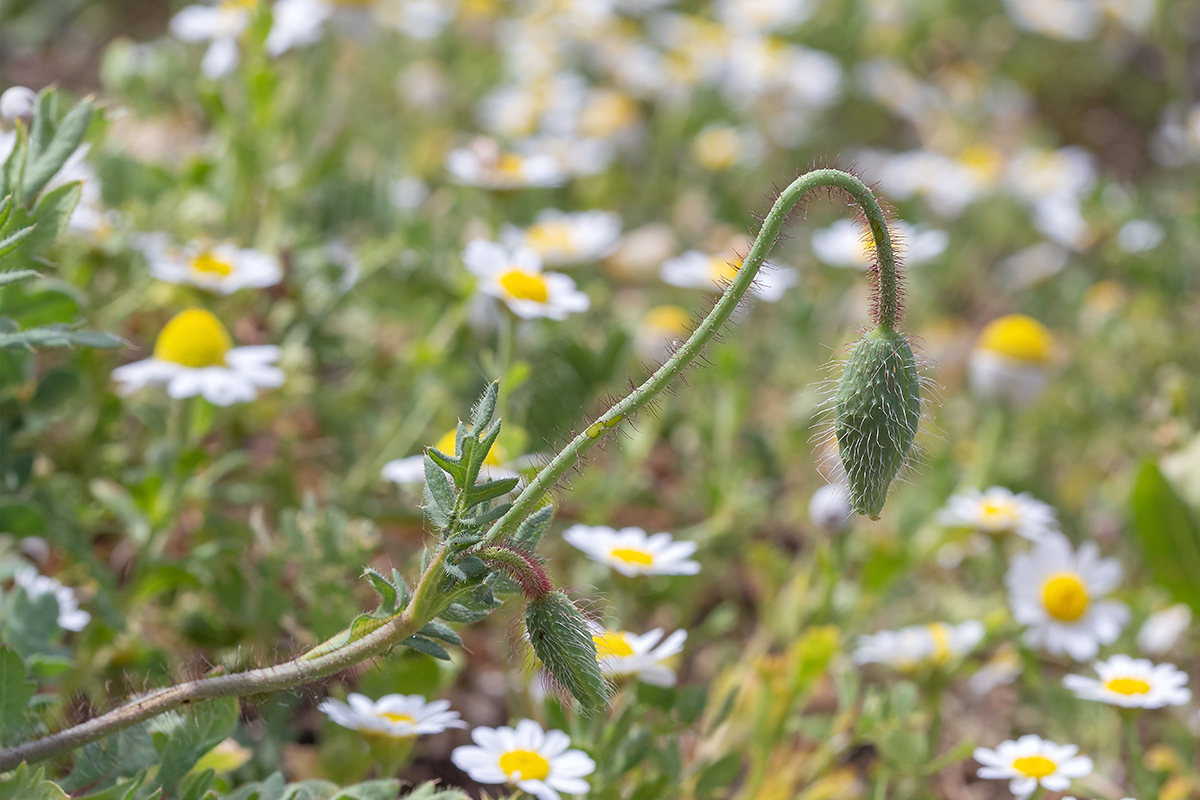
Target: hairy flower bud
x,y
562,640
878,408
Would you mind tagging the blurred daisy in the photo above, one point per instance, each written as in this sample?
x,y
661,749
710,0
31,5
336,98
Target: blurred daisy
x,y
661,330
411,470
561,238
515,276
1057,591
631,552
220,24
17,102
1011,359
1032,760
482,164
195,356
718,147
223,268
1002,668
70,616
695,270
918,646
1132,683
1069,20
847,243
623,653
829,507
297,23
1162,629
1140,236
535,761
998,510
395,715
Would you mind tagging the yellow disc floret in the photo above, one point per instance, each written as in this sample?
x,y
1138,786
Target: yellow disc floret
x,y
668,319
551,236
632,555
611,644
1065,596
1127,686
525,286
207,263
1035,766
524,765
1018,337
193,338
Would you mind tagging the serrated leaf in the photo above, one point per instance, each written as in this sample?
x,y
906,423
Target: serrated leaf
x,y
402,593
439,486
28,784
439,518
437,630
530,531
50,216
426,646
7,245
452,464
1169,535
48,160
481,415
15,694
387,592
13,174
454,571
44,122
457,612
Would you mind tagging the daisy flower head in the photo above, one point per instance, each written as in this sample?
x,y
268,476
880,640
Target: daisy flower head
x,y
847,243
631,552
516,277
482,164
70,616
998,510
1132,683
195,356
1058,592
696,270
918,646
623,653
561,238
222,268
535,761
411,470
1162,629
1011,359
395,715
1032,760
221,24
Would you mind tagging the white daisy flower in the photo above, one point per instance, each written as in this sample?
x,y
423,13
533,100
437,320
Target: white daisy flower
x,y
1132,683
396,715
718,147
411,470
998,510
918,646
623,653
696,270
222,268
482,164
1011,360
195,356
1069,20
829,507
846,243
1002,668
516,277
1057,591
1032,760
561,238
535,761
70,616
220,24
1163,628
662,329
631,552
297,23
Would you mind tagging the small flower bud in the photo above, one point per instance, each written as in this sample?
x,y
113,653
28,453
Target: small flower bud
x,y
878,408
829,509
562,640
17,102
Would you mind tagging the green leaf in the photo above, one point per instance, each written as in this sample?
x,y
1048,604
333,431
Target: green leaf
x,y
481,415
718,775
490,490
15,694
457,612
436,630
531,530
25,784
123,790
431,791
1168,534
58,336
451,464
13,174
438,486
387,592
45,121
429,648
7,245
47,160
210,724
50,215
21,519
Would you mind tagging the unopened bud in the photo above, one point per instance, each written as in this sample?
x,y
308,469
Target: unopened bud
x,y
16,103
562,640
878,409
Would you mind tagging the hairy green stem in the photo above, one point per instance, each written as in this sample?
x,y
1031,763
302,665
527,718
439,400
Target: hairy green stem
x,y
429,599
887,308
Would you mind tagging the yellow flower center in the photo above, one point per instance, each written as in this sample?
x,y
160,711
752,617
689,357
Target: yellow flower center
x,y
631,555
721,269
550,236
1018,337
1127,686
668,319
608,113
193,338
717,148
394,718
524,286
208,263
612,644
495,457
524,765
984,161
1065,596
1000,514
941,642
235,4
510,164
1035,766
